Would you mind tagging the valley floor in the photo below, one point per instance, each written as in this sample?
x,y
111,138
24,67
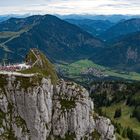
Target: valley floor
x,y
79,71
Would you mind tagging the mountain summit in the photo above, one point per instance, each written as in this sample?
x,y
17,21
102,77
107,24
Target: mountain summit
x,y
40,65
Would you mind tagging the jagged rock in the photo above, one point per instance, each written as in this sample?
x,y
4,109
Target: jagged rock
x,y
72,114
45,111
105,128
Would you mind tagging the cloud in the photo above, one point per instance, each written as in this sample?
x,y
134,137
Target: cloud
x,y
71,6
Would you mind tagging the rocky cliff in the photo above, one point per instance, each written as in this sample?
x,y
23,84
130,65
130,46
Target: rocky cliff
x,y
42,107
42,111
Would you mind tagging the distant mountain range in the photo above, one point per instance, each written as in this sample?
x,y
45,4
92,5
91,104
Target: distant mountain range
x,y
121,28
111,18
106,30
124,53
122,39
6,17
95,27
59,40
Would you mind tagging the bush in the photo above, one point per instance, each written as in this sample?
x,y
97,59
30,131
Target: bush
x,y
136,113
118,113
130,133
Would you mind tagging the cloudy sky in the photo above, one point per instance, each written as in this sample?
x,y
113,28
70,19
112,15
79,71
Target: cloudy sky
x,y
70,7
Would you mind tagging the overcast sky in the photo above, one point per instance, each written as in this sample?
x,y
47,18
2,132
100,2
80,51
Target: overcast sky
x,y
70,7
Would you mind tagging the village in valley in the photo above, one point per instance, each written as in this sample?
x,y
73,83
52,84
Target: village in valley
x,y
95,72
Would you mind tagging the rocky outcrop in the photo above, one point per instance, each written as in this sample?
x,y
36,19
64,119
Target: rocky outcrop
x,y
73,111
132,54
41,111
105,128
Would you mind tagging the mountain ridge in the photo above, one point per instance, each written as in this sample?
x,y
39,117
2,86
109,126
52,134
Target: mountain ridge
x,y
58,39
124,53
95,27
122,28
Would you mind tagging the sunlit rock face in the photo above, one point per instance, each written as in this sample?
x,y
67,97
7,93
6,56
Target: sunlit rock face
x,y
105,128
47,112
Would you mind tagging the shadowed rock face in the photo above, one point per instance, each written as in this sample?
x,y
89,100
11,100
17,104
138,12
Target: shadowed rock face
x,y
42,111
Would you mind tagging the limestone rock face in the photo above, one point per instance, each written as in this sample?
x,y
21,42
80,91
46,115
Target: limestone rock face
x,y
105,128
73,111
47,112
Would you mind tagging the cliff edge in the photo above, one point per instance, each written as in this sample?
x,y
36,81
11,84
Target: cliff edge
x,y
35,108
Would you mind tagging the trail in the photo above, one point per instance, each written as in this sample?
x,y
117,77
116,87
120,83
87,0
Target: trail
x,y
36,54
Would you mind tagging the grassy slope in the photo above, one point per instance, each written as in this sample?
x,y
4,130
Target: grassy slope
x,y
46,70
125,119
118,137
73,70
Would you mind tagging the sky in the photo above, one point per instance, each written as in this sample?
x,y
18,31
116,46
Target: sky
x,y
65,7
